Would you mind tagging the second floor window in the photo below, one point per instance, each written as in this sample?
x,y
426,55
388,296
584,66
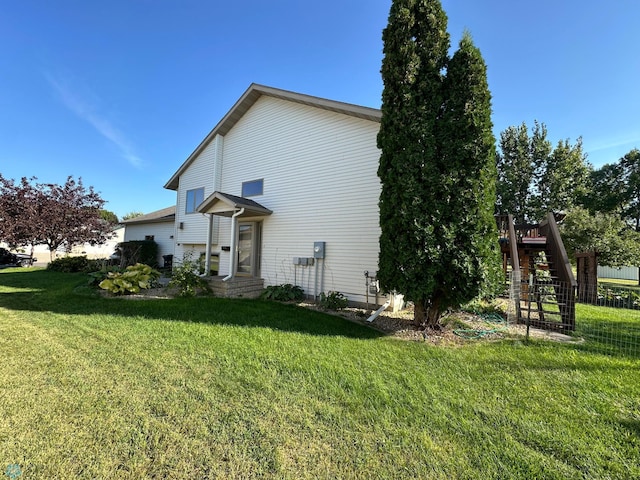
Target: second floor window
x,y
194,198
252,188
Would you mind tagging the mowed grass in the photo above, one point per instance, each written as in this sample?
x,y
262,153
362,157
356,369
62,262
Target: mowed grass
x,y
619,283
211,388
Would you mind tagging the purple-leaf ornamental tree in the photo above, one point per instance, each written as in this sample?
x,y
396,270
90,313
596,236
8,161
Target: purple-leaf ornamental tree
x,y
46,213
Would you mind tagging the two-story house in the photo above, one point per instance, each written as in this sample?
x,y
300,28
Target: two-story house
x,y
285,189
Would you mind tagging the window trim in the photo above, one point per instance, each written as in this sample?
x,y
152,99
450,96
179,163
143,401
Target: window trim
x,y
251,182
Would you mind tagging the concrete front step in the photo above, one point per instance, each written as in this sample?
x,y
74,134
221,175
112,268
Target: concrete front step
x,y
237,287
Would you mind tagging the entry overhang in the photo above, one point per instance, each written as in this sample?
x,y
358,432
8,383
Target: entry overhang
x,y
226,205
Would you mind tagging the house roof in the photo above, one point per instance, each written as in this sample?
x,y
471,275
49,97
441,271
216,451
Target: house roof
x,y
159,216
246,101
226,205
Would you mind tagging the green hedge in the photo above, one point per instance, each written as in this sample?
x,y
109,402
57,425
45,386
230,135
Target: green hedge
x,y
69,264
138,251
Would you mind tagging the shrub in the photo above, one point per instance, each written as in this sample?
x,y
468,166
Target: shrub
x,y
480,306
333,301
96,264
96,277
138,251
69,264
186,278
283,293
132,280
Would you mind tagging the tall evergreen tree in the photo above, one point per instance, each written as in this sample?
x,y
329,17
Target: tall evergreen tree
x,y
465,188
416,43
432,245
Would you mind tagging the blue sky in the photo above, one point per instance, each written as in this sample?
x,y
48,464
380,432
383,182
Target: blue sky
x,y
121,92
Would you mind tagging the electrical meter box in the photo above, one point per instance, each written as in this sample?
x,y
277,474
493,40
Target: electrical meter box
x,y
318,249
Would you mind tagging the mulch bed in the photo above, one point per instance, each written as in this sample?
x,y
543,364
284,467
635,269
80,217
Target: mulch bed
x,y
459,327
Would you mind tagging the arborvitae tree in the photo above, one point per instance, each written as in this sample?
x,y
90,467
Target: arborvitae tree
x,y
415,53
465,260
437,166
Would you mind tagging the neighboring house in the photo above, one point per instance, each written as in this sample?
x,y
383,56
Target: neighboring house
x,y
284,177
158,226
623,273
105,250
97,251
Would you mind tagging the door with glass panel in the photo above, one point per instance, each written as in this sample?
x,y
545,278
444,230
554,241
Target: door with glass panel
x,y
248,248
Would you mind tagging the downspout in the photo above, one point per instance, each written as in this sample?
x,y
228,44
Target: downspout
x,y
234,245
379,311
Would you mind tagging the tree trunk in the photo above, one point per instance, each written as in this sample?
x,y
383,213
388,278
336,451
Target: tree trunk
x,y
426,314
419,313
433,316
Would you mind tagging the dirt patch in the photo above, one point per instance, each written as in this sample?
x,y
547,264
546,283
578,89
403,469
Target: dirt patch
x,y
458,327
145,294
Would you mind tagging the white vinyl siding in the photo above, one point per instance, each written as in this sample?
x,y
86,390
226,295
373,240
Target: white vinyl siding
x,y
625,273
192,227
163,234
321,171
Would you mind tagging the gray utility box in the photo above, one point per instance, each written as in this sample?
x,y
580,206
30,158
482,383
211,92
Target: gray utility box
x,y
304,261
318,249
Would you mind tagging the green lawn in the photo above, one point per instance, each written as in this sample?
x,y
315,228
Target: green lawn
x,y
211,388
619,282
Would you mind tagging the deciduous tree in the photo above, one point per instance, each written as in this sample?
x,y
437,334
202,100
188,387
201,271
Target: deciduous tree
x,y
605,233
56,215
19,213
109,217
605,190
534,178
630,169
130,215
516,171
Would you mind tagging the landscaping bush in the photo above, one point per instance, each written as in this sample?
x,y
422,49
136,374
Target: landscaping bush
x,y
97,276
618,297
96,264
283,293
69,264
185,277
138,251
132,280
333,301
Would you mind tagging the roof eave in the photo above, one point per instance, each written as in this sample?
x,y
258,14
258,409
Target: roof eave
x,y
246,101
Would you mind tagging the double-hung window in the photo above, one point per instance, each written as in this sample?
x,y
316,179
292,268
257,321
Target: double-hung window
x,y
194,198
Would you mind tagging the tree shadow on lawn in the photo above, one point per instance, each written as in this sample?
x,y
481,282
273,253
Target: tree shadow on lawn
x,y
66,294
